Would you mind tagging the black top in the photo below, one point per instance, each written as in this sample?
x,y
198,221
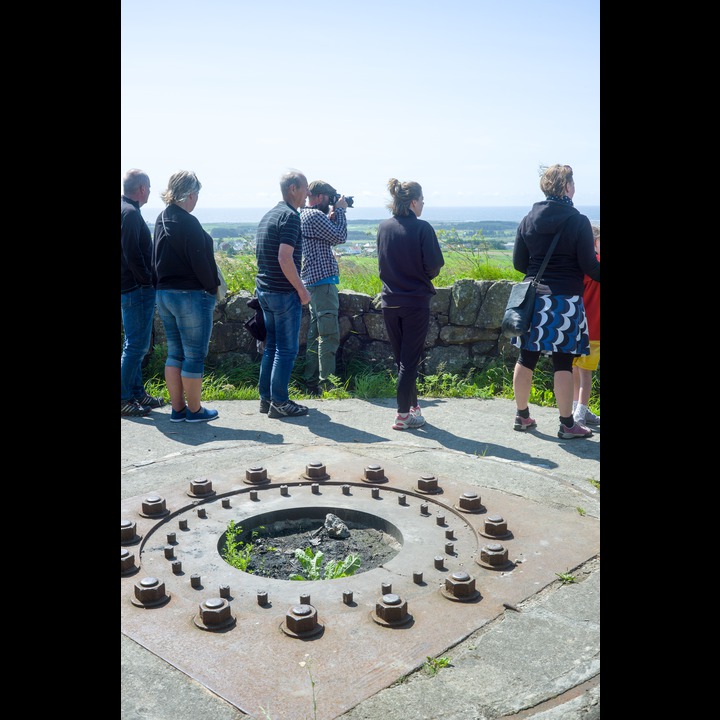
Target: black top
x,y
184,257
281,225
574,255
409,257
136,265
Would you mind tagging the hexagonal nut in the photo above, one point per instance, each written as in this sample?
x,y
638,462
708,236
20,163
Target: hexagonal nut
x,y
494,554
127,560
149,589
460,584
127,530
470,501
202,486
495,525
374,472
301,619
153,505
215,611
315,470
391,608
256,473
427,482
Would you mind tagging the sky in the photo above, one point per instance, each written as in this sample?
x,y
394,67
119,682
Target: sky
x,y
466,97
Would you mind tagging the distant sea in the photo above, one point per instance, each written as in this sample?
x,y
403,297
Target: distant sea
x,y
431,214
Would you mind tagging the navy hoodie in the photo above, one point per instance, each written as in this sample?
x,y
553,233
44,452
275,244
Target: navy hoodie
x,y
574,255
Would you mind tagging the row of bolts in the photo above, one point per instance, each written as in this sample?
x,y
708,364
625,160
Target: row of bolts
x,y
302,619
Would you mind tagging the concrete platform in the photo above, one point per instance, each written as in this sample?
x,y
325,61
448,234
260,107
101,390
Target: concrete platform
x,y
539,660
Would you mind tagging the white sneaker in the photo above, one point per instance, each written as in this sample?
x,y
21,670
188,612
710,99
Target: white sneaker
x,y
408,422
416,411
591,418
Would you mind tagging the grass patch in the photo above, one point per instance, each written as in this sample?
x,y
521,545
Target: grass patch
x,y
366,381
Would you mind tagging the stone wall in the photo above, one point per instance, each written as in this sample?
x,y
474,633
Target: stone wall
x,y
464,332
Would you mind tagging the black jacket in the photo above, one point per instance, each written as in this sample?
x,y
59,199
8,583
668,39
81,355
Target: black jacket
x,y
574,255
409,257
136,265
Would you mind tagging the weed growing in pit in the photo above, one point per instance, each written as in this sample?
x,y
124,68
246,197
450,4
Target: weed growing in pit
x,y
238,553
312,562
566,578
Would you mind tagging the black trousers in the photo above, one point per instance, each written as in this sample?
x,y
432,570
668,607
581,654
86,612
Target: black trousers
x,y
407,329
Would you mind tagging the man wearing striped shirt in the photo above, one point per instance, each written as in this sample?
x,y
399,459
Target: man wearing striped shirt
x,y
322,229
281,295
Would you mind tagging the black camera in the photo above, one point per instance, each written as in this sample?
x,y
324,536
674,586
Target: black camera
x,y
348,199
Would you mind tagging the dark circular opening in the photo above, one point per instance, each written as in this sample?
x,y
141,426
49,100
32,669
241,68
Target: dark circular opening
x,y
266,544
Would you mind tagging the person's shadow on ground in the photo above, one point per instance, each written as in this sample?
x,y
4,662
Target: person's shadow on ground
x,y
195,434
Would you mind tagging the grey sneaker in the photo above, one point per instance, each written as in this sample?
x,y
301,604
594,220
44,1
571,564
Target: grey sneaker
x,y
591,418
522,424
287,409
408,422
576,431
132,408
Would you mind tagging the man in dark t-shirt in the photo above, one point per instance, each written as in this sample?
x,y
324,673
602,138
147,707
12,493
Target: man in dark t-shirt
x,y
281,295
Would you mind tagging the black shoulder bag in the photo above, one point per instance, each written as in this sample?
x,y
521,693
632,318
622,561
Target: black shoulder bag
x,y
521,303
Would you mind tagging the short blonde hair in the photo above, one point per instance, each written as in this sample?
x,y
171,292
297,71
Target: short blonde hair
x,y
180,185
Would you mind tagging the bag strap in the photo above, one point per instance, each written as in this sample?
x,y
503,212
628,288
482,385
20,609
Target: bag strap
x,y
536,279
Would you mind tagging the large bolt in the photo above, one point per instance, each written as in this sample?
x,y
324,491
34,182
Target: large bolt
x,y
127,530
202,486
391,608
315,470
256,474
470,502
153,505
427,483
374,473
495,525
301,619
460,584
494,554
127,560
149,591
215,611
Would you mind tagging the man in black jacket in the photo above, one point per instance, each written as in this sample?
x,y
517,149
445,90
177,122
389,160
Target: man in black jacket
x,y
137,295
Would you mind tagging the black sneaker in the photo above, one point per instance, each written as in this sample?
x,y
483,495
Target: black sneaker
x,y
288,409
264,406
314,391
150,401
132,408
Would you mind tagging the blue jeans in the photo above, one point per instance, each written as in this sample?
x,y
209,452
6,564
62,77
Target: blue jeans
x,y
137,308
282,313
187,316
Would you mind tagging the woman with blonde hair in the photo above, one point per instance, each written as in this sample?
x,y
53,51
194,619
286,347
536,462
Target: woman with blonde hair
x,y
186,288
559,325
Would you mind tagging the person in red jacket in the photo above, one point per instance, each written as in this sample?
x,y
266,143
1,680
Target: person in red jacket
x,y
584,365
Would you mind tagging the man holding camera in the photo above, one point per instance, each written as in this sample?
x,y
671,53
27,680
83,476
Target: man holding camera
x,y
321,230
